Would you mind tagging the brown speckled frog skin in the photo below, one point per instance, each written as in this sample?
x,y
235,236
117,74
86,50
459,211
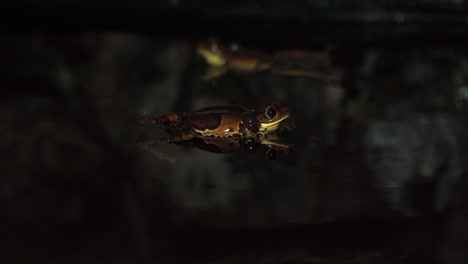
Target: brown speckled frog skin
x,y
220,122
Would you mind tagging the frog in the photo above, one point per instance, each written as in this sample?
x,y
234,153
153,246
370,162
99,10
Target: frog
x,y
221,122
221,59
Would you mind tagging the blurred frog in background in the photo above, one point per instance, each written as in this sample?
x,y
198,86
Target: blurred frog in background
x,y
222,59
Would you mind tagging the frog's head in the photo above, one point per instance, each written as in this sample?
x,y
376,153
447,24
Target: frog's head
x,y
212,52
268,120
271,117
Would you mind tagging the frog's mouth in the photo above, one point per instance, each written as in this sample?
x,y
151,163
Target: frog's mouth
x,y
272,126
212,58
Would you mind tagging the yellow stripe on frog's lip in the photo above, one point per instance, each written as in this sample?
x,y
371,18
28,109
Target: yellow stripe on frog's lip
x,y
211,58
277,121
266,125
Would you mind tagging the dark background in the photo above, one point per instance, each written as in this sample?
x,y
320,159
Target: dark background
x,y
381,171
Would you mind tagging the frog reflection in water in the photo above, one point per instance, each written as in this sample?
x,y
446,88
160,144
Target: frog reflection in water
x,y
270,146
223,126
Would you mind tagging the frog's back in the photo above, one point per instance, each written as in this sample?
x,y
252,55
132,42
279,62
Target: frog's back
x,y
223,109
218,125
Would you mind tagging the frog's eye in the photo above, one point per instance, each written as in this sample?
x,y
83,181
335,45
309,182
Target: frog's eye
x,y
213,47
250,146
271,154
270,112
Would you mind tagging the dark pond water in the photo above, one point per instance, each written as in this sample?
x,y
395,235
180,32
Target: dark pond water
x,y
378,173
